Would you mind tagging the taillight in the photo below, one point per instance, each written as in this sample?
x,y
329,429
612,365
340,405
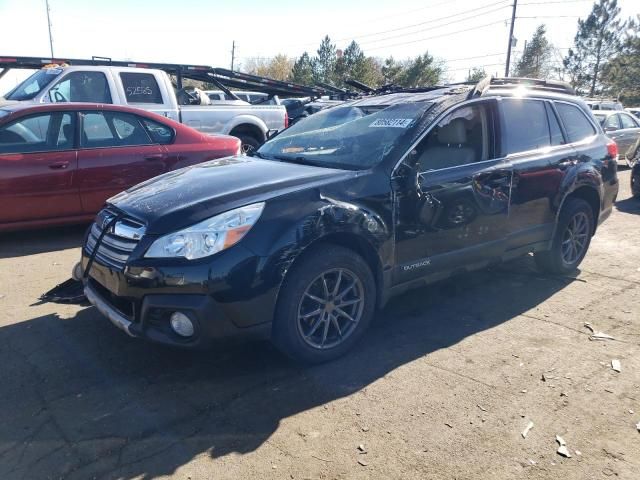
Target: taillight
x,y
612,149
286,119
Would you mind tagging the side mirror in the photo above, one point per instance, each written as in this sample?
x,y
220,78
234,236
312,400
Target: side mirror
x,y
610,129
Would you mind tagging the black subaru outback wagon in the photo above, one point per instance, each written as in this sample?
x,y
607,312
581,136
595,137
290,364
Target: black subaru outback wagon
x,y
305,239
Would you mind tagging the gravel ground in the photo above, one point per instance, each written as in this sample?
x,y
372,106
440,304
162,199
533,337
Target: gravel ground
x,y
441,387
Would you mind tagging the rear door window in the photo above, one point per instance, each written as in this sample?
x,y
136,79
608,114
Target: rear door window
x,y
91,87
557,138
575,122
526,126
627,122
140,88
112,129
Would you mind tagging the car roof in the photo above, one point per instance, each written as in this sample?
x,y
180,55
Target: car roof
x,y
28,107
607,112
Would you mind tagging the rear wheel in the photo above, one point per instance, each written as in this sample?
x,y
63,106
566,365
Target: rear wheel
x,y
571,240
325,306
635,184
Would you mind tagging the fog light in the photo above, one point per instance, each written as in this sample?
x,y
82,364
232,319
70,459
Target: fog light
x,y
77,271
181,324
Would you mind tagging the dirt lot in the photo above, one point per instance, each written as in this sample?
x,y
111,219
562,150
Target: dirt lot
x,y
442,386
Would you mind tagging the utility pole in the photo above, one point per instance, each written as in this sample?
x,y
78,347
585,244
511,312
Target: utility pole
x,y
49,25
233,53
513,21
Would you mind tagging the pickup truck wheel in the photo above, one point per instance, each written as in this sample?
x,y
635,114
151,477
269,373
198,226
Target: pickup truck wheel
x,y
326,304
571,240
248,143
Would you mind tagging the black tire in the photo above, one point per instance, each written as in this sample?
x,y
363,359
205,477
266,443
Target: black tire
x,y
555,261
635,185
324,263
248,143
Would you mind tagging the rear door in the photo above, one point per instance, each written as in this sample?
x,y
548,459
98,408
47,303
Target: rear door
x,y
533,142
38,163
116,152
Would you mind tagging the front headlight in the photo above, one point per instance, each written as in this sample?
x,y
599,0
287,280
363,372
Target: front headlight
x,y
208,237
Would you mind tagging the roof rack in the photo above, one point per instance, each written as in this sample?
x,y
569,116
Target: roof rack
x,y
514,82
220,77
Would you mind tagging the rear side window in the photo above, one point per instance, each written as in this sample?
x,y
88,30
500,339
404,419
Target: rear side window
x,y
112,129
526,126
159,133
627,122
47,132
575,122
140,88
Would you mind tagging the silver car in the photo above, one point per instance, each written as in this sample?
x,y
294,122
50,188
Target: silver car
x,y
623,128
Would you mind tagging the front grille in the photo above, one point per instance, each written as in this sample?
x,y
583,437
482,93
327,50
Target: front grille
x,y
118,243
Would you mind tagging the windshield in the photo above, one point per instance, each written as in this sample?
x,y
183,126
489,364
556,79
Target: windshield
x,y
347,136
34,84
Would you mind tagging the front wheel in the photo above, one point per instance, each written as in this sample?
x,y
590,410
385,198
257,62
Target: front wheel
x,y
326,304
571,241
248,143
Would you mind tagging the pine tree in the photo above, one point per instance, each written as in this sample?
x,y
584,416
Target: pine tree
x,y
422,71
621,75
476,74
597,40
536,59
324,64
302,71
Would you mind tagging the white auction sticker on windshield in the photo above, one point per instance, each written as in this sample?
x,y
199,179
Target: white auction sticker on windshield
x,y
391,122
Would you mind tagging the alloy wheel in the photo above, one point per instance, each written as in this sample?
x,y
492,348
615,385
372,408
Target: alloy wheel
x,y
575,238
330,308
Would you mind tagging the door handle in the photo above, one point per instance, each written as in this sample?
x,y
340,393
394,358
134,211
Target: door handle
x,y
154,157
59,165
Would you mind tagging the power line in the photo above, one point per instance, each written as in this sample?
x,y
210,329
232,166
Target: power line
x,y
434,20
366,42
441,35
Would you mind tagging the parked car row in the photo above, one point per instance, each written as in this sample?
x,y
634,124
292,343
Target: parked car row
x,y
60,162
151,90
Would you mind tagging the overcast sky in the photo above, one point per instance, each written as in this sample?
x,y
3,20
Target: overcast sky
x,y
465,33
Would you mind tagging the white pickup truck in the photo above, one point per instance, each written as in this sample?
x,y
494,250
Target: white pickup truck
x,y
151,90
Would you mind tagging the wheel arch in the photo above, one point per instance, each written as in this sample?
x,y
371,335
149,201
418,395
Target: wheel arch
x,y
590,195
250,129
350,241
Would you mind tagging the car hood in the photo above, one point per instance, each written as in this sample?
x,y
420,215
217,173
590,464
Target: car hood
x,y
183,197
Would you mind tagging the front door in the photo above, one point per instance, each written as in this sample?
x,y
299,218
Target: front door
x,y
38,163
452,195
116,153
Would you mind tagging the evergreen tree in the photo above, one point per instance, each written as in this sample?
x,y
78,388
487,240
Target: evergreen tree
x,y
392,71
325,63
422,71
302,71
536,59
621,75
476,74
597,40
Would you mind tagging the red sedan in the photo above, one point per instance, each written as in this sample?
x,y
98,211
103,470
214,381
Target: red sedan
x,y
60,162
